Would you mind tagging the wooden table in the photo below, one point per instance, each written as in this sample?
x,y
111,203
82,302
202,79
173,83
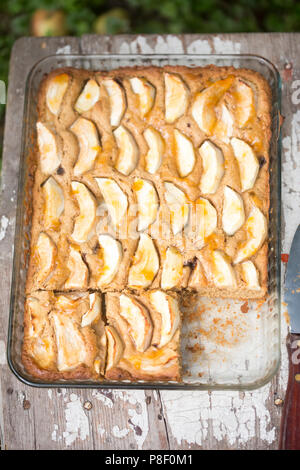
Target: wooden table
x,y
104,419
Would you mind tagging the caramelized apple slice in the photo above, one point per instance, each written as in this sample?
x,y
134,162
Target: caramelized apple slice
x,y
247,161
72,351
156,149
233,216
79,272
139,321
88,97
256,229
250,275
145,92
128,151
115,347
54,203
168,308
85,221
46,251
225,123
176,97
145,263
153,361
147,202
89,145
205,103
41,346
207,218
111,253
117,101
197,278
185,155
213,167
49,156
178,206
172,269
93,314
115,199
222,272
56,90
244,103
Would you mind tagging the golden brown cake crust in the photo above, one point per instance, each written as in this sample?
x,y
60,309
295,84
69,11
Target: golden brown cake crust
x,y
196,257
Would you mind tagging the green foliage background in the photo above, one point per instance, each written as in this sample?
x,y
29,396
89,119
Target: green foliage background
x,y
146,16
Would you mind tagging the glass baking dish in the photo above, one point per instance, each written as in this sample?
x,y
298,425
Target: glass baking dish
x,y
226,344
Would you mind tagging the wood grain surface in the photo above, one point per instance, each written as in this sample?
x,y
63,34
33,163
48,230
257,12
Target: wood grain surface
x,y
104,419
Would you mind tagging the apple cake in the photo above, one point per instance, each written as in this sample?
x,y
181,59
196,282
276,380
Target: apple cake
x,y
149,182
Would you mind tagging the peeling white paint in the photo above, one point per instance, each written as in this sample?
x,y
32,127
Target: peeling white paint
x,y
103,398
54,433
199,46
120,433
225,46
50,394
163,45
100,430
77,423
2,353
231,416
3,226
64,49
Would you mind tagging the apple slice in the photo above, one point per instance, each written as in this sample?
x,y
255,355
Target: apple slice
x,y
128,151
250,275
256,229
176,97
207,218
45,251
184,153
233,216
244,103
88,97
111,253
86,219
213,167
197,278
93,314
115,199
50,158
56,90
138,320
72,351
247,161
178,206
224,125
154,361
89,145
168,309
115,347
223,272
117,101
54,203
156,149
205,103
148,203
79,272
172,270
145,263
145,92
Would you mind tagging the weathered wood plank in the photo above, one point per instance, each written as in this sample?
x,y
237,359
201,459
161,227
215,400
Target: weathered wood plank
x,y
57,419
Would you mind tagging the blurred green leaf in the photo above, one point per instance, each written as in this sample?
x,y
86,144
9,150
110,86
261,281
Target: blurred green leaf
x,y
145,16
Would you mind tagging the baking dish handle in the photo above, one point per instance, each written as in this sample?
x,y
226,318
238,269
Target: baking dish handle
x,y
290,420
